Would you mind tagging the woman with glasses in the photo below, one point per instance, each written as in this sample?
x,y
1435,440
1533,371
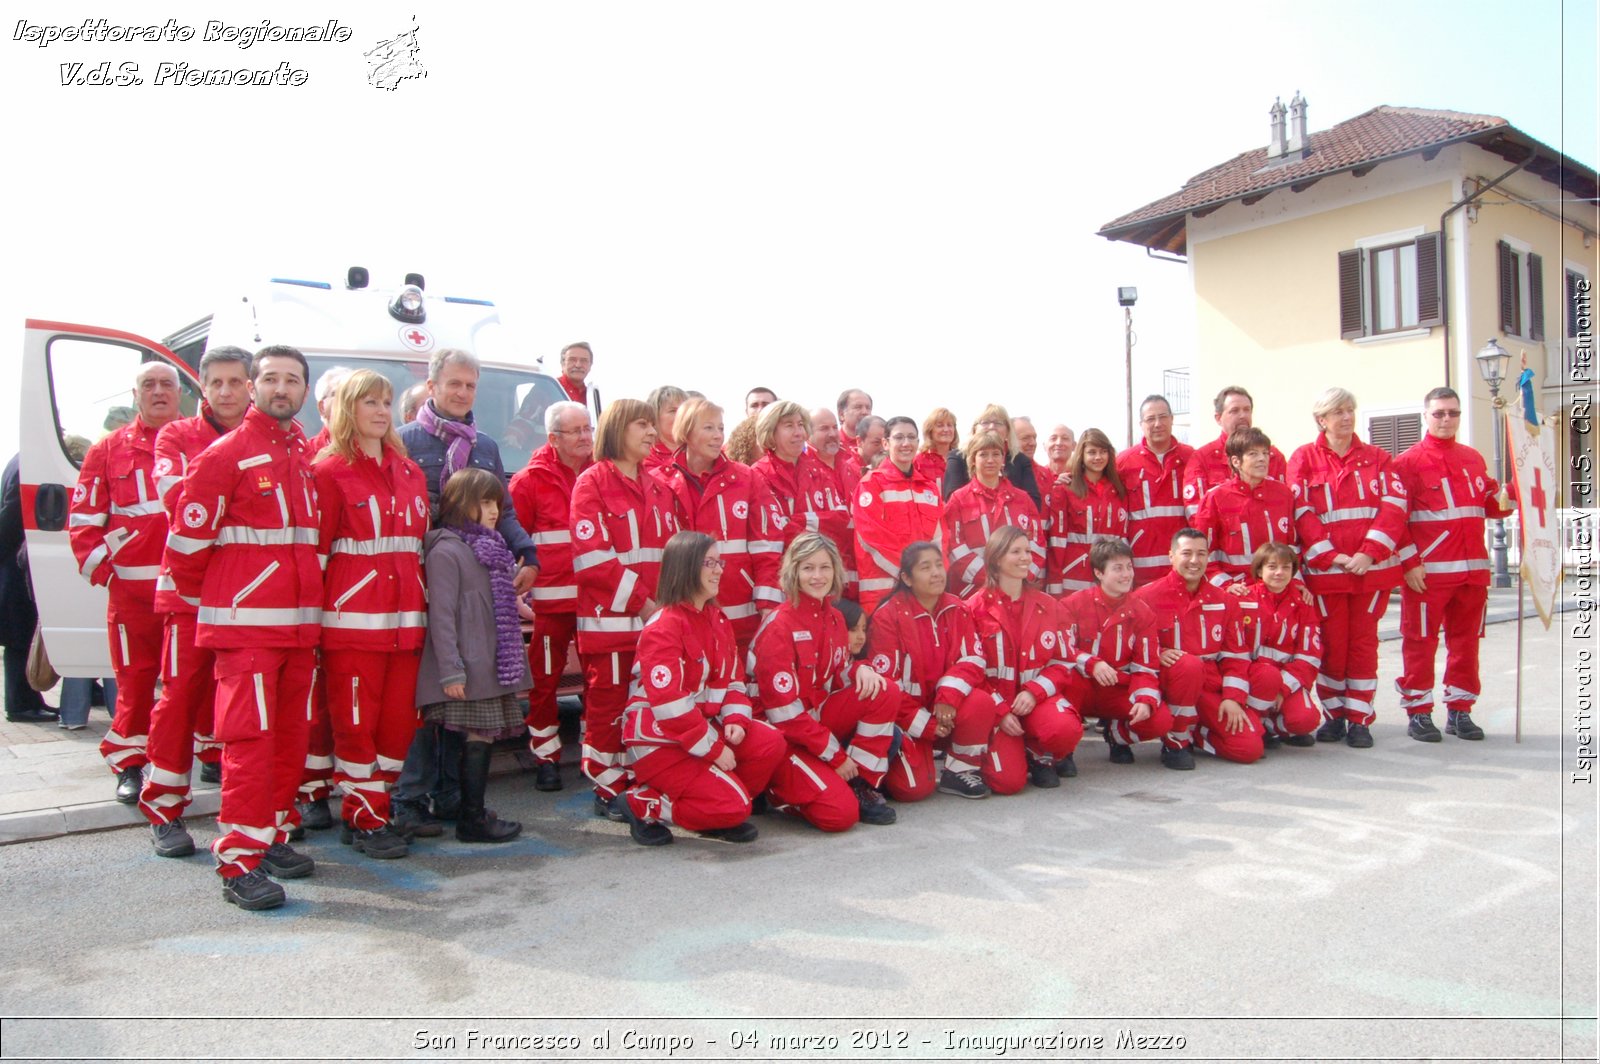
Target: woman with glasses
x,y
895,506
806,489
1019,467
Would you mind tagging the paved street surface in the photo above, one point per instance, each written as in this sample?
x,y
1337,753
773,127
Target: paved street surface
x,y
1407,901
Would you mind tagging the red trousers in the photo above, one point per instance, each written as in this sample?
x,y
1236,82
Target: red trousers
x,y
911,777
180,723
316,775
693,793
804,784
263,720
1296,715
1460,610
1196,684
547,657
605,695
1112,705
135,637
1053,729
372,710
1348,680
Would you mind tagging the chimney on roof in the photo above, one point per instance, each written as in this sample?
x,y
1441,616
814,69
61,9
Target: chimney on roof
x,y
1299,138
1276,147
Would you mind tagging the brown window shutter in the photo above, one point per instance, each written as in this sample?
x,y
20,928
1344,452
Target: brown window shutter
x,y
1508,289
1535,297
1430,279
1380,433
1407,432
1351,321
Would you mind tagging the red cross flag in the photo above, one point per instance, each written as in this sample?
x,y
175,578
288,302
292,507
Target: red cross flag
x,y
1533,465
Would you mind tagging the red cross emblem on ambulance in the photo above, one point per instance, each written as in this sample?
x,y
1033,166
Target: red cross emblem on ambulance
x,y
416,338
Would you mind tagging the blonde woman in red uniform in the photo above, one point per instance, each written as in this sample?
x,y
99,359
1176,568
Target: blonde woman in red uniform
x,y
986,502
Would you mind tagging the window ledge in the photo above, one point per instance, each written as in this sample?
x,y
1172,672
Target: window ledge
x,y
1383,338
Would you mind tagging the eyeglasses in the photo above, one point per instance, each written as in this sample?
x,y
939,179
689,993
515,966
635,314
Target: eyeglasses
x,y
1443,415
713,563
586,430
1155,419
902,438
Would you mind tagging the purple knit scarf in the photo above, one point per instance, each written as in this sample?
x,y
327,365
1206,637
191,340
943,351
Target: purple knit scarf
x,y
458,437
493,554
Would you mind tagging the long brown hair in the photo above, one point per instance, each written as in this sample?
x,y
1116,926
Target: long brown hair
x,y
1079,483
466,491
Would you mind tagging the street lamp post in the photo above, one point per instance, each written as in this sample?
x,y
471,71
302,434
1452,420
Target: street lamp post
x,y
1492,363
1126,298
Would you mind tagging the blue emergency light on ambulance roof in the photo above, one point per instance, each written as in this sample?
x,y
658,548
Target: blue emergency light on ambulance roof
x,y
302,284
356,277
416,279
407,305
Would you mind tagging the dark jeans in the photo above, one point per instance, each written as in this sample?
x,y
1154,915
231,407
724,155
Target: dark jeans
x,y
19,696
77,695
431,769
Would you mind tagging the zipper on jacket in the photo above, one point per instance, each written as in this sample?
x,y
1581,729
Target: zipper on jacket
x,y
251,586
355,699
338,603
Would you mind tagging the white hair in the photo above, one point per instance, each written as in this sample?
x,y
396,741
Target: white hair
x,y
553,412
330,380
145,369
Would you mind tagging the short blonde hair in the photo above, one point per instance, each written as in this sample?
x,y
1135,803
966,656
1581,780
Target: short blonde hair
x,y
613,427
1331,400
767,424
804,546
691,411
359,385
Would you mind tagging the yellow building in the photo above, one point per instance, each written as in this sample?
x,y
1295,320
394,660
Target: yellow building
x,y
1381,255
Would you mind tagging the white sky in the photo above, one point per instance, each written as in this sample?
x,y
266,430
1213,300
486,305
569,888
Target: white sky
x,y
898,196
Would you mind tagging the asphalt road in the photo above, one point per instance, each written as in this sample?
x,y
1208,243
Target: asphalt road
x,y
1407,901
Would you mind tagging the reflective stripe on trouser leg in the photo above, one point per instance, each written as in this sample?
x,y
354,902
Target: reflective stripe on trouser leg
x,y
185,695
136,645
316,777
1463,636
371,712
547,658
603,703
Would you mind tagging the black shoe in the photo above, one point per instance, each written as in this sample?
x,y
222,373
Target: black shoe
x,y
1121,755
1042,773
1460,724
1421,728
608,808
314,815
449,810
547,776
172,839
1358,737
413,821
129,780
1270,742
32,716
253,890
1177,757
746,832
380,843
645,833
1300,740
963,784
211,772
874,810
282,862
297,833
485,827
1332,730
759,804
1067,768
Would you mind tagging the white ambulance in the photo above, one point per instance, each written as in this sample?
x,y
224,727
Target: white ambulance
x,y
77,383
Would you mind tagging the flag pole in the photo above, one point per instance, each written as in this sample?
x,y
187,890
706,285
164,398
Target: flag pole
x,y
1519,654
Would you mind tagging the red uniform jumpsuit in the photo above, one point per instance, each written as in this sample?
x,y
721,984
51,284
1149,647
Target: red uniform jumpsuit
x,y
1451,496
1237,519
1282,635
847,474
541,493
1122,634
374,621
661,455
316,781
1025,648
1208,468
1154,484
805,687
1204,624
734,506
1362,508
117,531
578,393
892,510
971,515
181,724
808,493
934,658
931,466
244,542
1075,522
688,687
619,526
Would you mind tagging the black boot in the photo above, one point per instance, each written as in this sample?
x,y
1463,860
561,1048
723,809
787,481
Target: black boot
x,y
475,823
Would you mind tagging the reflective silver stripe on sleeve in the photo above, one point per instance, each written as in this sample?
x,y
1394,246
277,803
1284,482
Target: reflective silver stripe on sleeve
x,y
136,572
1454,513
143,509
95,520
545,539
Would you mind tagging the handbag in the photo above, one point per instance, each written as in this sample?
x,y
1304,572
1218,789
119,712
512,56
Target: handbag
x,y
41,674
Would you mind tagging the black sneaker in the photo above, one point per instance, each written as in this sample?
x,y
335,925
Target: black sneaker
x,y
314,815
252,891
745,832
282,862
1042,772
547,776
1359,737
874,810
1067,768
1300,740
1177,757
380,843
759,804
129,780
211,772
1270,741
1421,728
1460,724
1121,755
963,784
611,809
172,839
1332,730
414,821
645,833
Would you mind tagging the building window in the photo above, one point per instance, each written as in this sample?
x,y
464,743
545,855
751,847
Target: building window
x,y
1395,432
1521,292
1391,288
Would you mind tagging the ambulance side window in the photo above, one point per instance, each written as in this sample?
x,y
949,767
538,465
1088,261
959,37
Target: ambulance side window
x,y
91,389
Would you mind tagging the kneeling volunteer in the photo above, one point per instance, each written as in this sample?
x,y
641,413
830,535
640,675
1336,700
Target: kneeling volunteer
x,y
1283,634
